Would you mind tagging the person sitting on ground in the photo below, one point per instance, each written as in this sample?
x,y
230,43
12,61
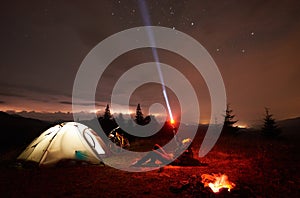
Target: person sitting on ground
x,y
159,154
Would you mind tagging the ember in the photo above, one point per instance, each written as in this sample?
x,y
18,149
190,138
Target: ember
x,y
217,182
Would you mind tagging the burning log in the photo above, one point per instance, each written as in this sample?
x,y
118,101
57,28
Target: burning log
x,y
198,186
217,182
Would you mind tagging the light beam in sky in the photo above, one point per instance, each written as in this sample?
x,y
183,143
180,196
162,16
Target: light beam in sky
x,y
147,22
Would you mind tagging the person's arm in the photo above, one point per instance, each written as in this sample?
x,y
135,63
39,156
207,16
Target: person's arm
x,y
158,148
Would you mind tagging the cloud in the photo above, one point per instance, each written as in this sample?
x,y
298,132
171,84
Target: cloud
x,y
81,104
12,95
2,102
65,102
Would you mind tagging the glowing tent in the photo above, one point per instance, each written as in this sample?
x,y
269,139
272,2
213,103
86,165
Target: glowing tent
x,y
67,141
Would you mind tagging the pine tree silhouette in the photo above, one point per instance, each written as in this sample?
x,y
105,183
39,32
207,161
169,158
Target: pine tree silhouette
x,y
270,127
229,121
107,121
229,117
107,114
139,117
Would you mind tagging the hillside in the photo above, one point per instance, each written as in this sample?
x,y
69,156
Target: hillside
x,y
17,131
293,123
290,128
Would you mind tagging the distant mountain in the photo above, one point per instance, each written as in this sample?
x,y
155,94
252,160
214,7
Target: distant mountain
x,y
17,131
292,122
290,127
45,116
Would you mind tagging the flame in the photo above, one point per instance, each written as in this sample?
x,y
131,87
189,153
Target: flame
x,y
172,121
216,182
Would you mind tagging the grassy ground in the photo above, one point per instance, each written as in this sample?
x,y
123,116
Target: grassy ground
x,y
260,167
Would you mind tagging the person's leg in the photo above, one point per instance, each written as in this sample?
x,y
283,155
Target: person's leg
x,y
153,156
164,158
160,149
143,159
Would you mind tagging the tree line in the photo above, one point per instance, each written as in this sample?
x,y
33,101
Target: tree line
x,y
269,128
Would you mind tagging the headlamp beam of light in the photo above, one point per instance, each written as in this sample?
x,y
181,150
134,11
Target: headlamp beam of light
x,y
146,19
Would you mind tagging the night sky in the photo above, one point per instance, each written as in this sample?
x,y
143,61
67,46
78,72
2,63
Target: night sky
x,y
254,43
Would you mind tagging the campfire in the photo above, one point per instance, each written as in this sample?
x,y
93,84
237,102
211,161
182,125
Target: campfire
x,y
210,185
217,182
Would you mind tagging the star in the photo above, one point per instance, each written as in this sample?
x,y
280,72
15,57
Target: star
x,y
132,12
192,24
